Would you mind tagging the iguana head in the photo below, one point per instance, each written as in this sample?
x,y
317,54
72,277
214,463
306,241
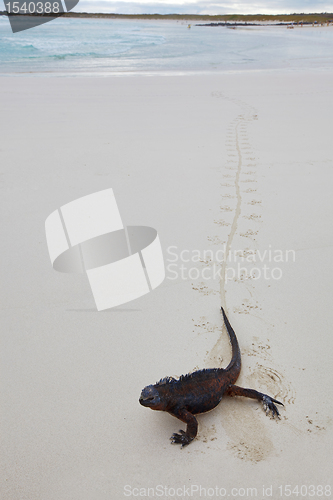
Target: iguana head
x,y
151,398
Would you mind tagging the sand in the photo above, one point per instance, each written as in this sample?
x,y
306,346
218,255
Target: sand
x,y
237,161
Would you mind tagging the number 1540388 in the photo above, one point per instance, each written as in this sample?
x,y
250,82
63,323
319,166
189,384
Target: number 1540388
x,y
33,7
305,491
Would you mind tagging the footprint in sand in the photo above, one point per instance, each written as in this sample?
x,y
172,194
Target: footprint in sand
x,y
222,222
215,240
228,196
272,382
254,217
249,233
203,289
254,202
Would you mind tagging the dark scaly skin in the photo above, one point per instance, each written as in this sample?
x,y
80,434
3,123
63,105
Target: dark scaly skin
x,y
201,391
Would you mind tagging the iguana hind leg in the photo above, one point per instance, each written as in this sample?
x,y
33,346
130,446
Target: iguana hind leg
x,y
268,402
184,438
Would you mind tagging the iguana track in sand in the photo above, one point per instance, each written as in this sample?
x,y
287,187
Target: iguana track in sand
x,y
248,437
237,137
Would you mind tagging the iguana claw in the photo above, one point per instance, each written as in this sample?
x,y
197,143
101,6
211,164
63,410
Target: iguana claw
x,y
269,405
181,438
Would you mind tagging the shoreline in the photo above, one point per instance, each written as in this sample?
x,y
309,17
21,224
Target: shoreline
x,y
150,74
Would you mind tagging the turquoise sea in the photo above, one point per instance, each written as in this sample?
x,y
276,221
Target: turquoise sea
x,y
117,47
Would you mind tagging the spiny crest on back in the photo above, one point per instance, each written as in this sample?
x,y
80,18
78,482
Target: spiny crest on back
x,y
165,380
206,372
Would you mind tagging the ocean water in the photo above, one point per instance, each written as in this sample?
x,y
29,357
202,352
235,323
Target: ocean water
x,y
117,47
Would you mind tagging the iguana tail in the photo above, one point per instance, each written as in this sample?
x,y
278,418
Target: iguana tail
x,y
235,363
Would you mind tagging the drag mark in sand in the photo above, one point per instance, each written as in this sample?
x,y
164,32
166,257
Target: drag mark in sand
x,y
238,147
235,219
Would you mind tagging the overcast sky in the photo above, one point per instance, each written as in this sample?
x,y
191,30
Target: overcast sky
x,y
202,6
205,6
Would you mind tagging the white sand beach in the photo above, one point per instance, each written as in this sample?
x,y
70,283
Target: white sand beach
x,y
241,161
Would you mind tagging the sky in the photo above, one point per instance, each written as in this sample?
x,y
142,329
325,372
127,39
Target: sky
x,y
202,6
205,6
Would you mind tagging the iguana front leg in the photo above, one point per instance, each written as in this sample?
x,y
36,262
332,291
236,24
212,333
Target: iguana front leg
x,y
268,402
184,438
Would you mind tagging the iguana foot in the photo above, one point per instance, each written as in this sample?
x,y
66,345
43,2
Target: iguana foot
x,y
269,405
182,438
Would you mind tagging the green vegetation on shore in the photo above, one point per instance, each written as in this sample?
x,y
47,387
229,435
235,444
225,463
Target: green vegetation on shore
x,y
232,18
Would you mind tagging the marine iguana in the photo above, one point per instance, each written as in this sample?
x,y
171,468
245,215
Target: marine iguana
x,y
201,391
